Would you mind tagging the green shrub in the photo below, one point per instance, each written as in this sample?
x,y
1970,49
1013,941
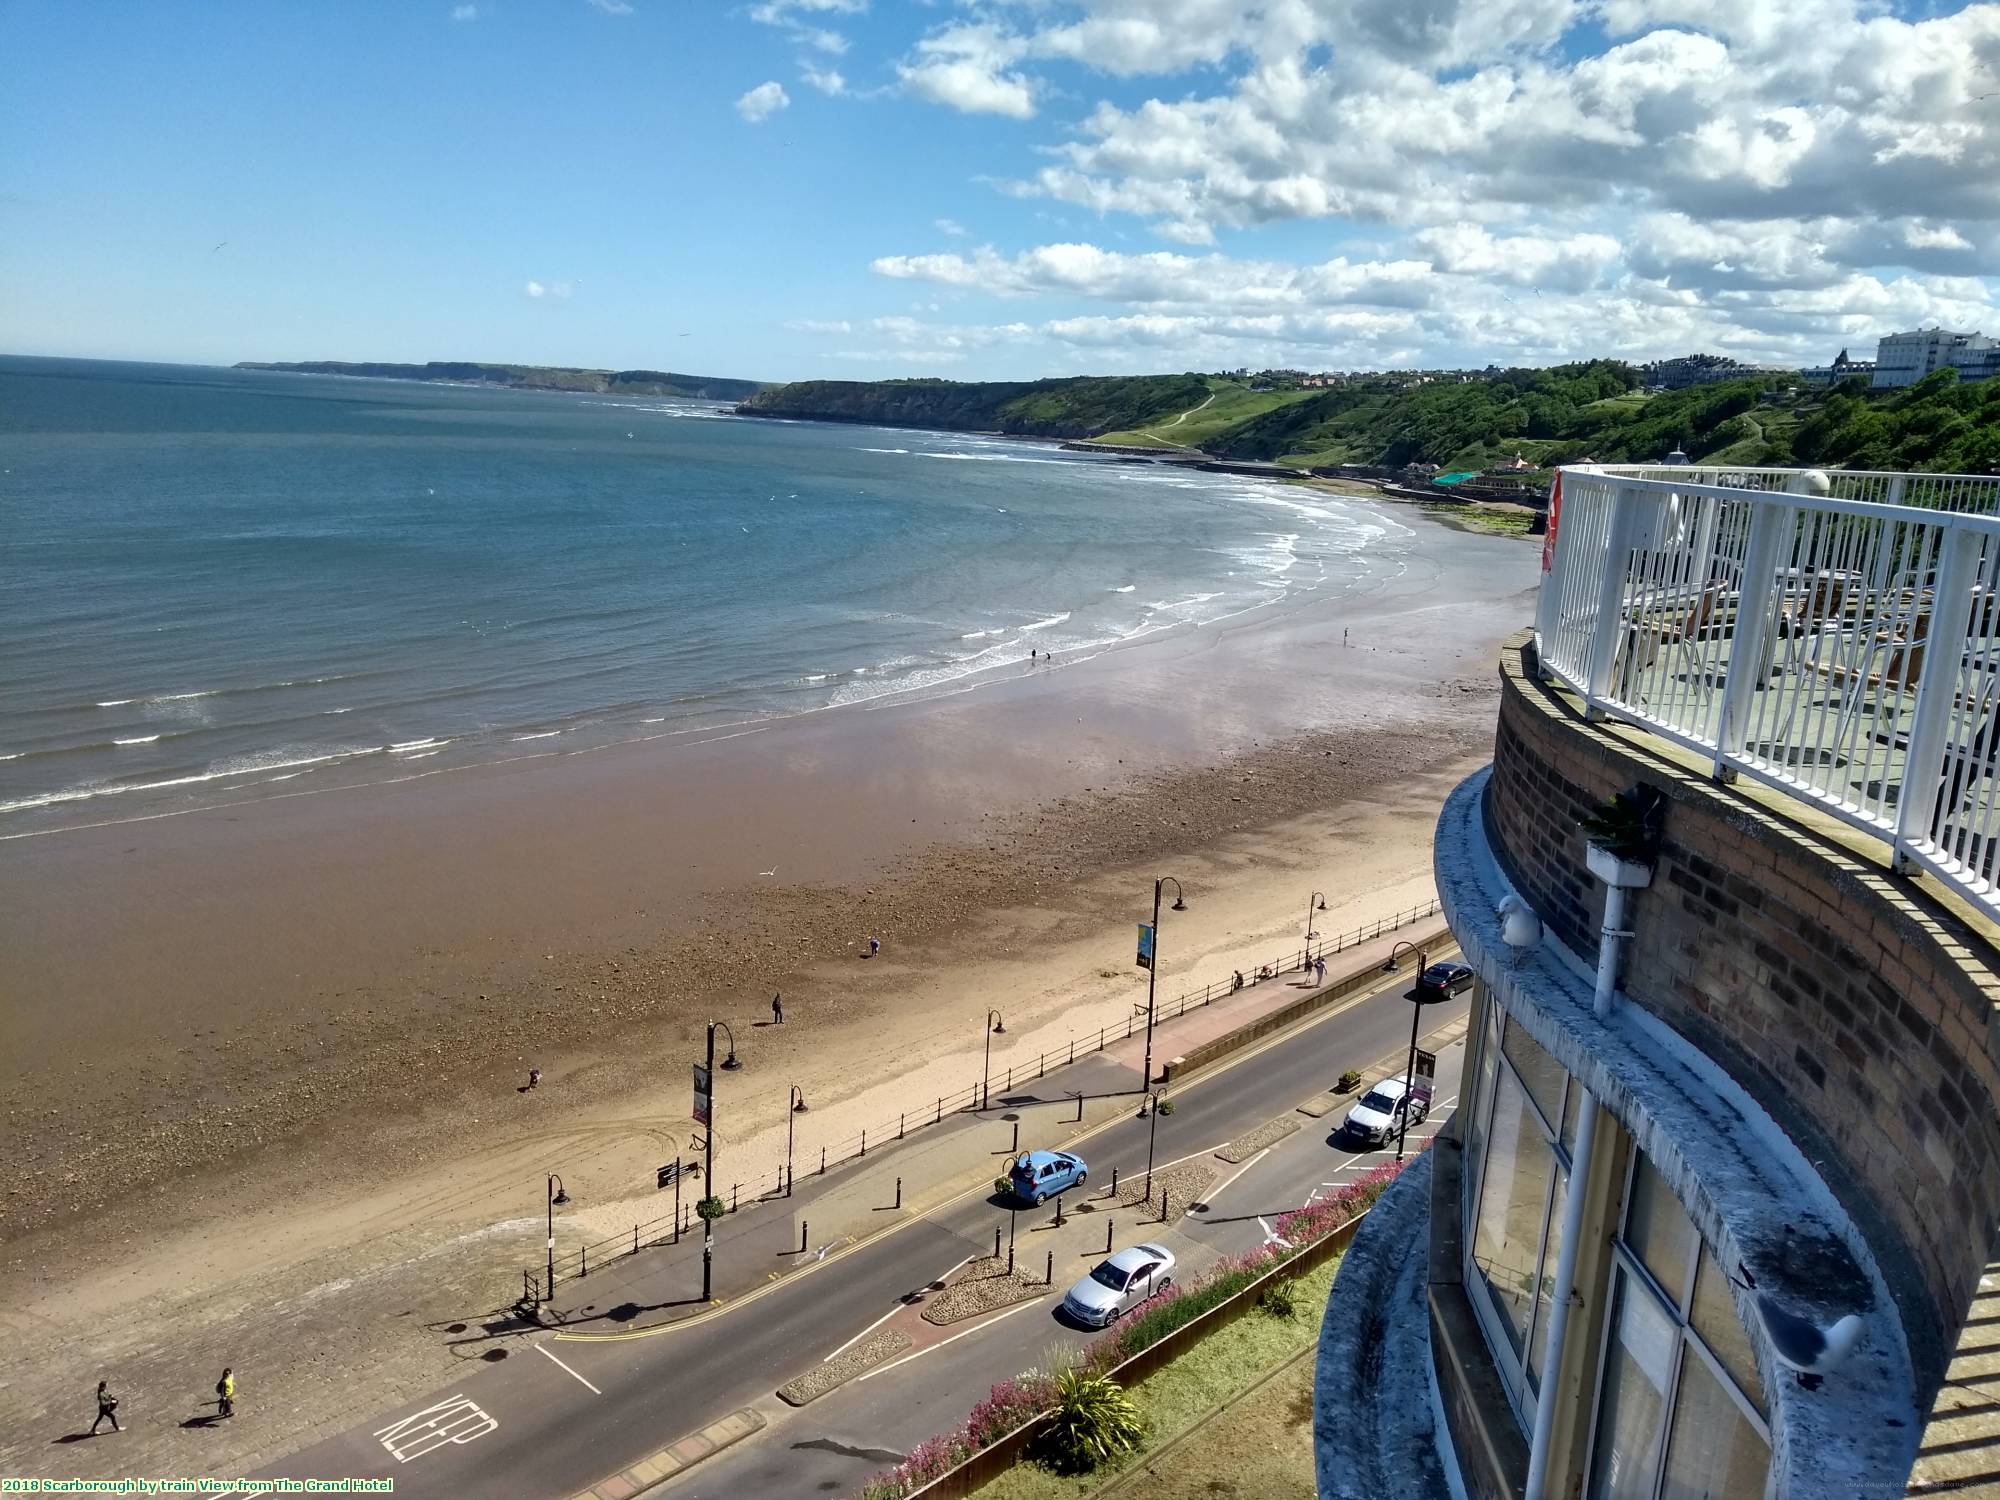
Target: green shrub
x,y
1281,1298
711,1208
1094,1422
1004,1186
1348,1082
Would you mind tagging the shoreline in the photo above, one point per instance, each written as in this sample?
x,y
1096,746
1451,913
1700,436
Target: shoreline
x,y
248,980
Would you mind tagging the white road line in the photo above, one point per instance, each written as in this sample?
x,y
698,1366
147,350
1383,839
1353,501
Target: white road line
x,y
977,1328
579,1379
875,1325
1216,1192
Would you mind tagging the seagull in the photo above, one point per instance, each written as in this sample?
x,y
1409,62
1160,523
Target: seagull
x,y
772,871
1803,1346
1520,928
218,247
1271,1236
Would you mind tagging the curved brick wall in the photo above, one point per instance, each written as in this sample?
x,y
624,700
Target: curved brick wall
x,y
1853,1005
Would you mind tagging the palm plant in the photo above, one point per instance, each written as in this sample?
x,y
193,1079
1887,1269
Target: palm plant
x,y
1094,1422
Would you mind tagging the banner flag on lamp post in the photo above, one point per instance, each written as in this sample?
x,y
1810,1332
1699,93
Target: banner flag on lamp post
x,y
1145,945
700,1094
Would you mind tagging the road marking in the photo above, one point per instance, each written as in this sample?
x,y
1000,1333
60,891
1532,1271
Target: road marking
x,y
579,1379
453,1421
976,1328
877,1323
1216,1192
1222,1068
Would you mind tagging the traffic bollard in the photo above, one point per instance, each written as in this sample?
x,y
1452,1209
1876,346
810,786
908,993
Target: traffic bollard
x,y
802,1236
899,1192
1079,1104
864,1143
899,1127
732,1197
1109,1226
635,1239
996,1241
1049,1276
1114,1182
822,1161
1059,1217
1017,1138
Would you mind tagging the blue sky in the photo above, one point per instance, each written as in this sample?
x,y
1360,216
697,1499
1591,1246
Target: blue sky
x,y
993,189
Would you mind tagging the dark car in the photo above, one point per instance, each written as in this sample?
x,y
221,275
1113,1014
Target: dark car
x,y
1442,981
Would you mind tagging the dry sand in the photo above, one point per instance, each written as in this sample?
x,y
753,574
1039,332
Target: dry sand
x,y
272,1037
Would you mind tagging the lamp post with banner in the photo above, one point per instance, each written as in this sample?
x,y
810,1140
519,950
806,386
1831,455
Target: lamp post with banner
x,y
704,1113
1149,960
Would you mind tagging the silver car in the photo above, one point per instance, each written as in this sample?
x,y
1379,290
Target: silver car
x,y
1120,1282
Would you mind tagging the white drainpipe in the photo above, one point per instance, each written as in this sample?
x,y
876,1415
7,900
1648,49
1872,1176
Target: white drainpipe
x,y
1564,1293
1620,877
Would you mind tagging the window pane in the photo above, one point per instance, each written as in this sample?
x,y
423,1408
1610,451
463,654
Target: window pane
x,y
1714,1453
1636,1368
1658,1229
1541,1073
1547,1289
1715,1319
1572,1108
1480,1104
1512,1201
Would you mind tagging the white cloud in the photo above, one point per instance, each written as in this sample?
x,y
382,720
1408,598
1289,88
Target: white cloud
x,y
541,290
784,14
611,7
826,80
949,226
465,12
969,68
762,102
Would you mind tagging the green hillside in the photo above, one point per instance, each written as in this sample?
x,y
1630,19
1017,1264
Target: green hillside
x,y
1074,408
531,377
1228,404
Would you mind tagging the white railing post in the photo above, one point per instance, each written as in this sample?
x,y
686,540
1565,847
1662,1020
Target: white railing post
x,y
1756,594
1607,624
1937,690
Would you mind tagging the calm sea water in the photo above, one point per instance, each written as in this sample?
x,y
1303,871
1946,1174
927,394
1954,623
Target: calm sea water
x,y
227,584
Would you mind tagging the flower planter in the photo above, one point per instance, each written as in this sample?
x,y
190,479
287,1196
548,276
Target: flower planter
x,y
1613,869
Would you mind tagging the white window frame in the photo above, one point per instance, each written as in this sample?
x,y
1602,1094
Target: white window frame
x,y
1626,1262
1522,1393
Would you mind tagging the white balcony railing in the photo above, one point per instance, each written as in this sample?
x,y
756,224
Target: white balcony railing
x,y
1833,634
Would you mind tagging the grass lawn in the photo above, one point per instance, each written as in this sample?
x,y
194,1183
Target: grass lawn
x,y
1173,1400
1232,404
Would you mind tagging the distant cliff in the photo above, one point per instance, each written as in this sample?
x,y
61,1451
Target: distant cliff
x,y
1074,408
534,377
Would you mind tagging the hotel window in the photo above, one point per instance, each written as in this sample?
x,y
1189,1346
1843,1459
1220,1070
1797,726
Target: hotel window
x,y
1680,1410
1517,1179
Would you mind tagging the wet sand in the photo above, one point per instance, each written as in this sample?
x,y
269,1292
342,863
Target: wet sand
x,y
334,987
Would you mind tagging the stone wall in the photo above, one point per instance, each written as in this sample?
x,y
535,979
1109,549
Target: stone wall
x,y
1853,1005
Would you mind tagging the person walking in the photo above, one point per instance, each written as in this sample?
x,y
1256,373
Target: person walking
x,y
225,1393
874,947
107,1406
777,1012
1319,968
534,1078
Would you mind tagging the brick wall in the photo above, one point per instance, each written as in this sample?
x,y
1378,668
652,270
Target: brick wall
x,y
1852,1004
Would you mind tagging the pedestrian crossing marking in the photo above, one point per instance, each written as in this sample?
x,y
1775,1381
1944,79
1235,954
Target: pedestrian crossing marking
x,y
455,1421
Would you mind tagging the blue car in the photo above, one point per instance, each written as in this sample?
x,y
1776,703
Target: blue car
x,y
1037,1175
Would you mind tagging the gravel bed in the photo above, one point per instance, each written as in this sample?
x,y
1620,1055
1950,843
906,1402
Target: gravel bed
x,y
1184,1183
1268,1134
843,1367
983,1286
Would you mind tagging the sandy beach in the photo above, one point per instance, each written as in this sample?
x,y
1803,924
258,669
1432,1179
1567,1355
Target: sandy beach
x,y
245,1040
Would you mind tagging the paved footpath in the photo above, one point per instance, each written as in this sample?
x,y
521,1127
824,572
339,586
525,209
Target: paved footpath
x,y
634,1366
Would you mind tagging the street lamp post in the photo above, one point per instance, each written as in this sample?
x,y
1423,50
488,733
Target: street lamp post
x,y
556,1196
798,1108
1315,902
1153,969
994,1027
729,1064
1416,998
1152,1129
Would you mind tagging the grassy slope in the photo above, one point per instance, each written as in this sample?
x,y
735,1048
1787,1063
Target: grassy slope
x,y
1222,1366
1233,403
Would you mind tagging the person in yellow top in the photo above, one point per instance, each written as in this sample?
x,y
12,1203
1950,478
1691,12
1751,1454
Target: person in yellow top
x,y
225,1393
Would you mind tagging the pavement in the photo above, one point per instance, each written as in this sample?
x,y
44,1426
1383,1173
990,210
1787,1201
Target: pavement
x,y
633,1363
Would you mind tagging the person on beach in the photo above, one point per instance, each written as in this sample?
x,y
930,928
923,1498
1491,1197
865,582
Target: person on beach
x,y
225,1393
874,946
777,1012
107,1406
534,1078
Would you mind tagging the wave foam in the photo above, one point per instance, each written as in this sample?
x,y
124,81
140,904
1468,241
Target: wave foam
x,y
143,739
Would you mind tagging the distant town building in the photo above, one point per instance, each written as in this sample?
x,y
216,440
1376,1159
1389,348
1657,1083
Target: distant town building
x,y
1839,370
1903,359
1704,369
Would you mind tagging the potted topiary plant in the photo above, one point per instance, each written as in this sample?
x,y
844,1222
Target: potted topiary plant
x,y
1347,1083
1622,837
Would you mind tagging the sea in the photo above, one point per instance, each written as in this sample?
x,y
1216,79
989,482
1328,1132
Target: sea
x,y
222,585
